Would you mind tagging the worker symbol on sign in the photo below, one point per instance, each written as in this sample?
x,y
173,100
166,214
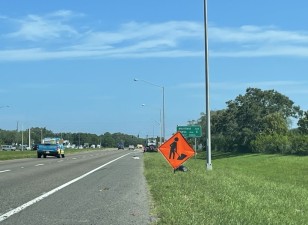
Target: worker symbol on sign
x,y
173,150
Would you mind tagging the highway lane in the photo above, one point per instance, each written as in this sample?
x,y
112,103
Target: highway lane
x,y
113,193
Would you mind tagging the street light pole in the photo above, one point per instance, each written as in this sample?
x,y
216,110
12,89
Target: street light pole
x,y
163,93
160,124
207,93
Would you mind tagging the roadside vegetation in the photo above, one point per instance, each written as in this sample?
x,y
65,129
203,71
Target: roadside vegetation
x,y
241,189
258,121
15,137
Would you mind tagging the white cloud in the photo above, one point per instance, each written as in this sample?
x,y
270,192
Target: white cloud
x,y
253,34
253,41
39,28
56,36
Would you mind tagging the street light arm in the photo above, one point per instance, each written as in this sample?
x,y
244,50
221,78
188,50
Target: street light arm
x,y
163,93
135,79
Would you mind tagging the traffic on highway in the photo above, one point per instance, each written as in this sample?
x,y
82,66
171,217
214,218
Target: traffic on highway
x,y
95,187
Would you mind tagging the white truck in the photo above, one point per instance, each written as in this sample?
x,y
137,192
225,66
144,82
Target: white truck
x,y
151,144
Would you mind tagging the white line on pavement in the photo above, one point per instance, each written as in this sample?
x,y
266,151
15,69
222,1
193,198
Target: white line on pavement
x,y
22,207
3,171
39,165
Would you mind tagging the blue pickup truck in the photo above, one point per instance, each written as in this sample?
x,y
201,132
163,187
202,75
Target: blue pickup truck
x,y
50,147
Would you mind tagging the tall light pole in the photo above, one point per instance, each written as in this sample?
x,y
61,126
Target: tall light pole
x,y
160,124
207,92
29,138
163,94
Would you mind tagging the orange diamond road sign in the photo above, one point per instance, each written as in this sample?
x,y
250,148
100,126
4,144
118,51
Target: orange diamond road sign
x,y
176,150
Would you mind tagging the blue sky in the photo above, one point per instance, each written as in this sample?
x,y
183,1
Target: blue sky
x,y
70,65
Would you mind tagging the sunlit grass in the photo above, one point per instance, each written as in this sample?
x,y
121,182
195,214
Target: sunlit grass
x,y
6,155
241,189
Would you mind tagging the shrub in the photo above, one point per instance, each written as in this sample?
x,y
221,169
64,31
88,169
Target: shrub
x,y
299,144
271,143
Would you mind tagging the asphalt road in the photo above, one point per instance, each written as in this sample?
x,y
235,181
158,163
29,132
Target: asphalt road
x,y
98,187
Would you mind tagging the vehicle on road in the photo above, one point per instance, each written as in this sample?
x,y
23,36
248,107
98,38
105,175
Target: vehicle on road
x,y
8,148
120,146
151,144
131,147
34,147
51,147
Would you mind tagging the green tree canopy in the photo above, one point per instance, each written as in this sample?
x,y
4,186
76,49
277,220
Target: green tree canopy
x,y
248,115
303,123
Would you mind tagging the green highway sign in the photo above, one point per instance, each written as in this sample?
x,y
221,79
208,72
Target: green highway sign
x,y
190,131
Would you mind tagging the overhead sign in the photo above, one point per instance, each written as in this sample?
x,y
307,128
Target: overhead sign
x,y
176,150
190,131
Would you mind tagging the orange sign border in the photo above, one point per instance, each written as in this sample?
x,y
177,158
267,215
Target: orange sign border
x,y
166,147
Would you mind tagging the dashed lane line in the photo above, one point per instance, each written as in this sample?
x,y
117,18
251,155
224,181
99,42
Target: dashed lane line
x,y
39,164
26,205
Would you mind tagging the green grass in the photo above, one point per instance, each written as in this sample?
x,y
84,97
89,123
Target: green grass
x,y
7,155
241,189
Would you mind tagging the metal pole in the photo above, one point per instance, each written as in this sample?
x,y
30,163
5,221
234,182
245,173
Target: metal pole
x,y
164,128
29,138
41,135
161,127
22,137
195,147
163,89
207,93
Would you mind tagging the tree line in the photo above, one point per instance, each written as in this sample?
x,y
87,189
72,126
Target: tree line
x,y
36,134
258,121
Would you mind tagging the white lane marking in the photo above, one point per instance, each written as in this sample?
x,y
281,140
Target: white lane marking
x,y
26,205
39,165
3,171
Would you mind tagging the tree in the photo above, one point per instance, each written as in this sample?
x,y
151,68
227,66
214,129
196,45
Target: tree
x,y
303,123
256,112
275,123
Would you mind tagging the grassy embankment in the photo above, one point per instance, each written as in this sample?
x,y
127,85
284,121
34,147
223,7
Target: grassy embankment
x,y
7,155
241,189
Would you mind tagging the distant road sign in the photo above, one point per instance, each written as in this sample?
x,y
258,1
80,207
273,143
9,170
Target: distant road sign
x,y
190,131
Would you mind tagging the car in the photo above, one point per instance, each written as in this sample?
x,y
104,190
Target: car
x,y
7,148
131,147
120,146
140,146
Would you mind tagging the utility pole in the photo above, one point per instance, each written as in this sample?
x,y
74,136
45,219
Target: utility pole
x,y
207,93
17,130
22,137
29,138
